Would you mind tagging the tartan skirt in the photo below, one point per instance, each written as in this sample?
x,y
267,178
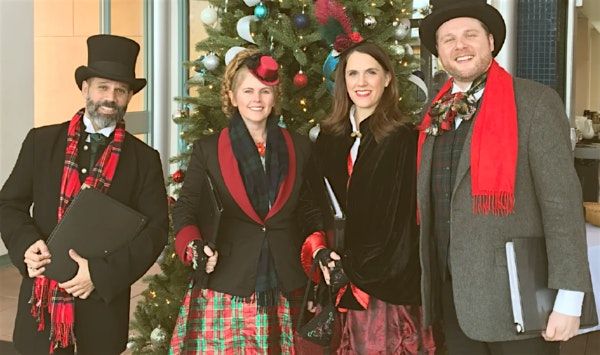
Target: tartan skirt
x,y
211,322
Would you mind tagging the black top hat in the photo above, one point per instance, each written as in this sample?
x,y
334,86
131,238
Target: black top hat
x,y
111,57
444,10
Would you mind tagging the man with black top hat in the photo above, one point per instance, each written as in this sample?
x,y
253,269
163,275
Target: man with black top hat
x,y
494,164
90,312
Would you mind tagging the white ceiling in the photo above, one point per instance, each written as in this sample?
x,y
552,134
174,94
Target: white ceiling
x,y
591,10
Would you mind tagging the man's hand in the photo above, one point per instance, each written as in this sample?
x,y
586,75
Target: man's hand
x,y
326,268
36,257
561,327
81,285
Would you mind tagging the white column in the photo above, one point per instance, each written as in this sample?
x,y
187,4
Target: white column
x,y
161,93
16,82
507,57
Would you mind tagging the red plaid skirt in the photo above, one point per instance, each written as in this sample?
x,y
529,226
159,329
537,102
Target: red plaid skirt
x,y
211,322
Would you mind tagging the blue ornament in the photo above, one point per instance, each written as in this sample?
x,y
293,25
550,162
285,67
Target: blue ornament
x,y
261,11
301,21
329,65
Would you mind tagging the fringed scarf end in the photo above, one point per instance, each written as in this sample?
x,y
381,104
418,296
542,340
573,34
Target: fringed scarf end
x,y
496,203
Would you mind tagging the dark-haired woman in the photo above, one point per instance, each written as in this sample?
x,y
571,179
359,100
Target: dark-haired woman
x,y
368,153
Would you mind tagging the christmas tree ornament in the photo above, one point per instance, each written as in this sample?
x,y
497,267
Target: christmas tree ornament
x,y
370,22
313,133
243,28
178,176
199,77
300,79
231,53
408,49
281,122
208,16
251,3
198,66
402,28
398,50
301,21
211,61
158,336
130,344
261,11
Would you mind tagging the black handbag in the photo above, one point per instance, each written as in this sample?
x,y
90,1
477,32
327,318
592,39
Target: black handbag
x,y
319,329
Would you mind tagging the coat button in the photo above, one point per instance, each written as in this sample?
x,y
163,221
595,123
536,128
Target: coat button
x,y
85,147
84,171
263,228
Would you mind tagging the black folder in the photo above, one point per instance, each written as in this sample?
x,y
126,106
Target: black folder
x,y
209,218
94,225
210,211
532,300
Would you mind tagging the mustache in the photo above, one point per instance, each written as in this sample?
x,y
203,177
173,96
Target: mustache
x,y
110,104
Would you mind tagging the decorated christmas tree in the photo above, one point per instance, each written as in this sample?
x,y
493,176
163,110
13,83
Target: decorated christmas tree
x,y
304,42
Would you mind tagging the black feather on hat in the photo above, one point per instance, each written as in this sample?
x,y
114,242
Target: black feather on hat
x,y
111,57
444,10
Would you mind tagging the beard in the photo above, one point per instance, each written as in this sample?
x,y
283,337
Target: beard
x,y
101,120
482,64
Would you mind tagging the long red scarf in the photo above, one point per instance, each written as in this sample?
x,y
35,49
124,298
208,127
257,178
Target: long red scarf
x,y
47,296
494,144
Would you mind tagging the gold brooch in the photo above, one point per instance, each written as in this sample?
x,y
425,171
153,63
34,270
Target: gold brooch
x,y
355,134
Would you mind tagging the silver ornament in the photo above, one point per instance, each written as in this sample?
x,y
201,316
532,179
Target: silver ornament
x,y
130,344
313,133
209,16
398,50
158,336
408,49
370,22
402,28
211,61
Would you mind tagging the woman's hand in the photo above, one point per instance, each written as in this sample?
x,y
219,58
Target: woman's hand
x,y
213,256
327,260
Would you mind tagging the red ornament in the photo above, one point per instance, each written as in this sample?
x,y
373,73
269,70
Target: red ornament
x,y
178,176
300,79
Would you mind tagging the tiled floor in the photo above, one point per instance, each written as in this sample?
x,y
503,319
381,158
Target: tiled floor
x,y
588,344
10,281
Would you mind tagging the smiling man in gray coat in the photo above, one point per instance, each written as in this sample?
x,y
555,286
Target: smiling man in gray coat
x,y
494,164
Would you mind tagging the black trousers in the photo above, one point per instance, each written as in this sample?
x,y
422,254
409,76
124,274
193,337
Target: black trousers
x,y
458,343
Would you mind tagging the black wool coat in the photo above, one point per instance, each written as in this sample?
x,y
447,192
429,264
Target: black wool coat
x,y
102,320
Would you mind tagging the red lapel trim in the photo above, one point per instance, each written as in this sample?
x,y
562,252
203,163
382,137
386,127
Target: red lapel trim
x,y
285,190
233,179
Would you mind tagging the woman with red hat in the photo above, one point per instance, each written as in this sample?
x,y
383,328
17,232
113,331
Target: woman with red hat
x,y
259,170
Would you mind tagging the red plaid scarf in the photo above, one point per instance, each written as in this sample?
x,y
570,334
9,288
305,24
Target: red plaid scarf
x,y
47,295
494,144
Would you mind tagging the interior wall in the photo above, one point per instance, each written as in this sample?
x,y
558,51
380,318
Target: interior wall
x,y
16,82
581,66
60,29
594,103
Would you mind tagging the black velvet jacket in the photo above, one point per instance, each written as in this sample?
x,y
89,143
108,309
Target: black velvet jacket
x,y
381,253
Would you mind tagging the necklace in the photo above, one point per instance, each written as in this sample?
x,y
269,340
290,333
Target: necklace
x,y
262,148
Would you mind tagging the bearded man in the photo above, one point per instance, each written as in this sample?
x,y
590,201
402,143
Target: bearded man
x,y
90,312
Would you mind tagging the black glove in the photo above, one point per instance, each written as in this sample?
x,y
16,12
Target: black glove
x,y
199,275
337,276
